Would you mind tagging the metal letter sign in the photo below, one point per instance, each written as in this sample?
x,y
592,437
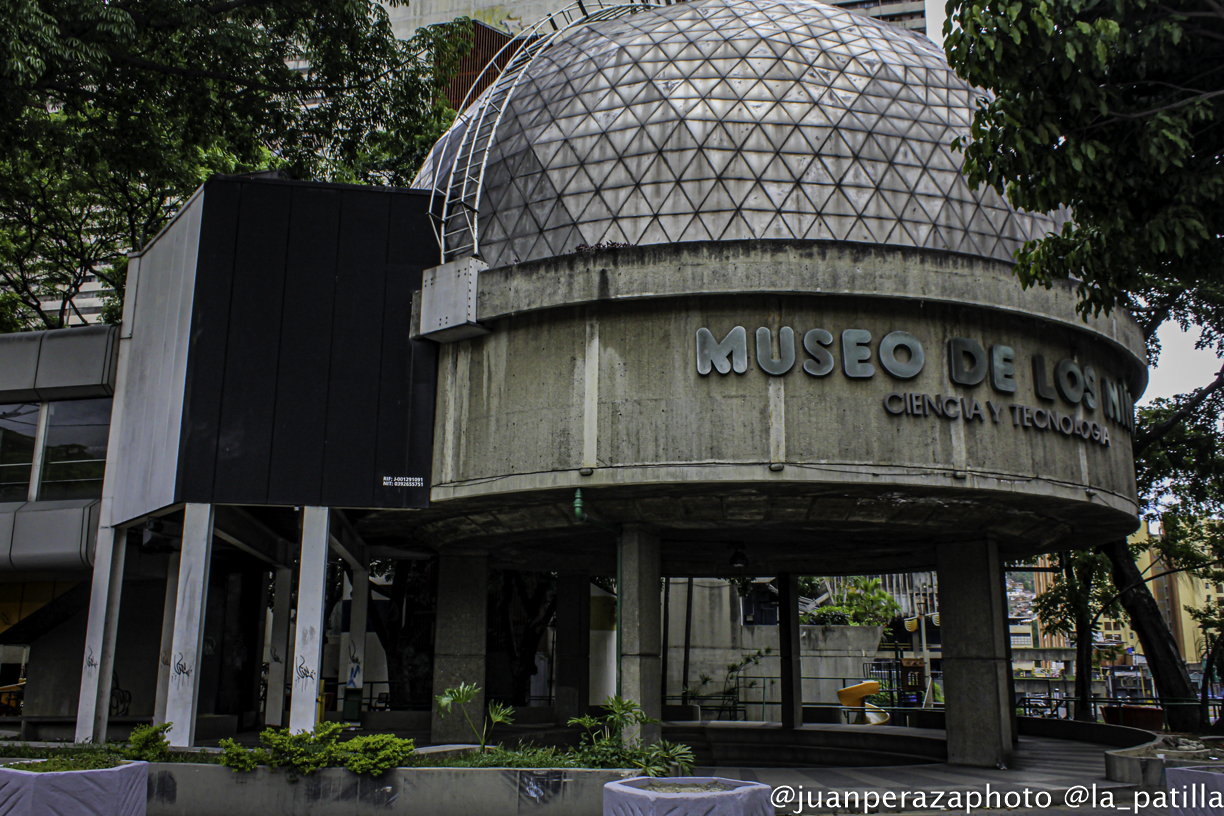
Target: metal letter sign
x,y
733,346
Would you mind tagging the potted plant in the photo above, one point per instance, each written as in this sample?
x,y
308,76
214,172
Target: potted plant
x,y
93,783
687,796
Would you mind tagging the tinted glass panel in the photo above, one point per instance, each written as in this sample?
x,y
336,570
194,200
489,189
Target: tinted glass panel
x,y
18,425
75,457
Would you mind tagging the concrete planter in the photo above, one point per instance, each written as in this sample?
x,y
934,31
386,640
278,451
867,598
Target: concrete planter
x,y
1197,789
117,791
183,789
635,797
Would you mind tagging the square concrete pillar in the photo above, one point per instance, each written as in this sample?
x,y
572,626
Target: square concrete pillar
x,y
641,626
459,643
789,652
167,640
309,634
101,629
573,673
976,669
190,606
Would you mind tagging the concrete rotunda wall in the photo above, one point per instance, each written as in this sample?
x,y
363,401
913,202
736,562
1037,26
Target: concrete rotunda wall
x,y
593,363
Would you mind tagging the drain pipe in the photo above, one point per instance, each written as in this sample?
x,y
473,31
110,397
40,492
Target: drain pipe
x,y
583,518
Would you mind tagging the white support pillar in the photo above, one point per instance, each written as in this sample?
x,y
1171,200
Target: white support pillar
x,y
165,652
187,643
278,648
308,638
358,608
93,707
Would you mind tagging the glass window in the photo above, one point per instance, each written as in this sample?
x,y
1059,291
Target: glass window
x,y
74,457
18,427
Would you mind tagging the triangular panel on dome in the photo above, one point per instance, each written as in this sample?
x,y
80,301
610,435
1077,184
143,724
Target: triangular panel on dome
x,y
716,221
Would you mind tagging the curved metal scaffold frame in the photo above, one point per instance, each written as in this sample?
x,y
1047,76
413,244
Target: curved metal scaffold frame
x,y
457,228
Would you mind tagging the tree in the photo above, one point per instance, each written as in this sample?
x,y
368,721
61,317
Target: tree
x,y
404,627
1080,593
1112,110
112,112
521,608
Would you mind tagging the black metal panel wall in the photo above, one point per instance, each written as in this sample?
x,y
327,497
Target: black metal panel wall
x,y
303,386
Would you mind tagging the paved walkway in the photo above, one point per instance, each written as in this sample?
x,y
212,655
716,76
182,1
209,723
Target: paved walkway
x,y
1041,765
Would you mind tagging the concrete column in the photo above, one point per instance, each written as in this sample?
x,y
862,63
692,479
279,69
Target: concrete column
x,y
101,628
187,643
973,621
641,672
789,652
459,641
358,607
278,648
167,639
573,672
308,636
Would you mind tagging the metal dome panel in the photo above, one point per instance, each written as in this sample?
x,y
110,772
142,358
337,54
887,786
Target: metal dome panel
x,y
724,120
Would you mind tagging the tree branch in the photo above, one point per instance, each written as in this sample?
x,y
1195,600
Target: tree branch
x,y
1200,396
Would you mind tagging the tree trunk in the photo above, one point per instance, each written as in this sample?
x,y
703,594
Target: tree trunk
x,y
1213,650
1168,669
1083,667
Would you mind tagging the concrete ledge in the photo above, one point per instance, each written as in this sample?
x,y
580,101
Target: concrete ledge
x,y
1145,764
63,729
793,267
1118,736
395,720
179,789
755,744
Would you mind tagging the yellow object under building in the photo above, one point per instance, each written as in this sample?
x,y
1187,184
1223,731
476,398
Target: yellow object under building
x,y
855,697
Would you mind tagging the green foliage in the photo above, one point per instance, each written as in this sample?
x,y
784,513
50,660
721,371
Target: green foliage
x,y
827,616
732,680
466,693
607,742
496,756
90,761
869,603
375,754
1111,108
237,757
1081,590
310,751
112,113
146,750
857,601
148,743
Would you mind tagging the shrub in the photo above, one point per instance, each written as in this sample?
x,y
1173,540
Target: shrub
x,y
604,744
828,616
149,743
308,751
84,761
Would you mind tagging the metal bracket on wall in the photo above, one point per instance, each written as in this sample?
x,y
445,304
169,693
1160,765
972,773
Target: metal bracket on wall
x,y
448,301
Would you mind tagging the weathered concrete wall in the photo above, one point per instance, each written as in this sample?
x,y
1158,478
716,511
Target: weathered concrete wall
x,y
835,654
181,789
53,677
591,368
511,16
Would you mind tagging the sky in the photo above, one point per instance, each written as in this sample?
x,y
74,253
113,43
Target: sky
x,y
1181,367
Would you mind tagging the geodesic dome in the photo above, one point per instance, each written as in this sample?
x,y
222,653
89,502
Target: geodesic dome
x,y
718,120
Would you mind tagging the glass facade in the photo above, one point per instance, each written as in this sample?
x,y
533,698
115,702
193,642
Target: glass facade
x,y
18,430
74,457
